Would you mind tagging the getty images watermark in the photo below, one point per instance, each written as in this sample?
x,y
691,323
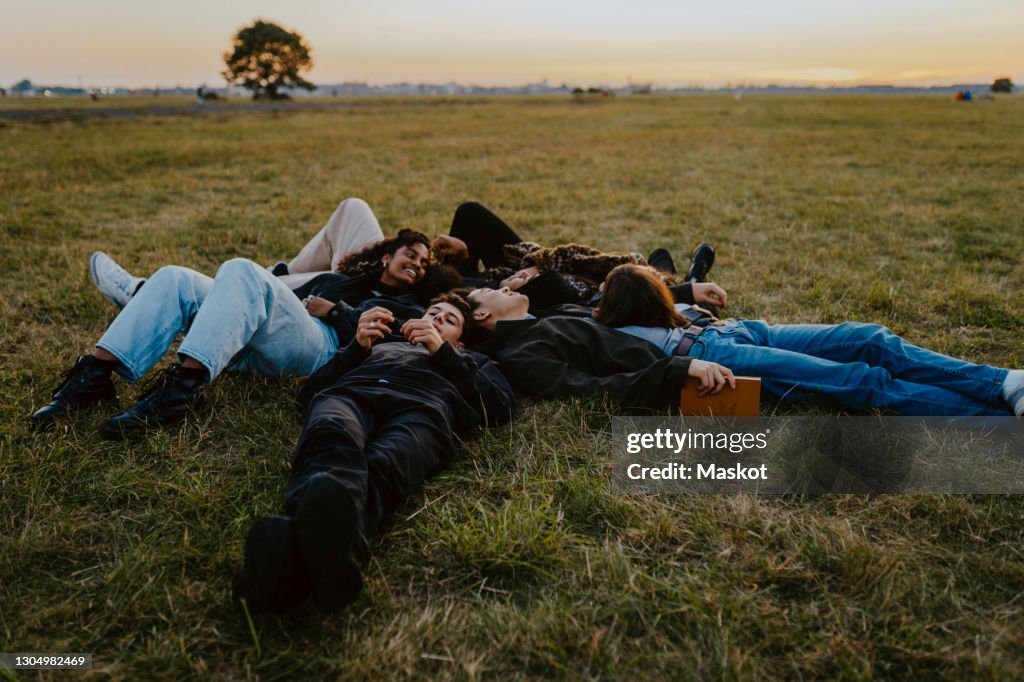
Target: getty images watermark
x,y
828,454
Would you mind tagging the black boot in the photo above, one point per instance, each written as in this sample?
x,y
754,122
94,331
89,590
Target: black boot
x,y
166,399
700,266
330,542
272,578
661,259
85,384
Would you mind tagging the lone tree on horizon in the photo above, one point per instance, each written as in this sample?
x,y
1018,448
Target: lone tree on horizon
x,y
1002,85
266,58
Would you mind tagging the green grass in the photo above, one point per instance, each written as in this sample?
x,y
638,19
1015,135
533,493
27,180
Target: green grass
x,y
519,560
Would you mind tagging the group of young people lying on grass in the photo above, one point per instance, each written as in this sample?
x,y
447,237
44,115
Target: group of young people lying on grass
x,y
409,344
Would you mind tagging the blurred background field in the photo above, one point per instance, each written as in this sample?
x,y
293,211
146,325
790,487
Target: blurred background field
x,y
518,560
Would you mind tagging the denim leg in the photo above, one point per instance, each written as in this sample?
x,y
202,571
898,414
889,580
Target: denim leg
x,y
142,332
251,321
877,346
799,377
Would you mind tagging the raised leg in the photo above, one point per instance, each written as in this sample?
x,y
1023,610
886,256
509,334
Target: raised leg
x,y
351,227
151,321
251,321
484,233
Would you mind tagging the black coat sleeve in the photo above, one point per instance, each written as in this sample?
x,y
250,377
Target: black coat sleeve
x,y
480,383
682,293
345,360
343,318
543,372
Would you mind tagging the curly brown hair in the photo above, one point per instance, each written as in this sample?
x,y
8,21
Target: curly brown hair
x,y
636,295
368,258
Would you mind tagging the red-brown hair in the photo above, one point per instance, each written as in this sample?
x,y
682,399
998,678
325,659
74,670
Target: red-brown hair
x,y
635,295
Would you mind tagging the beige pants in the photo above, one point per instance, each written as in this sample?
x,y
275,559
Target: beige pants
x,y
351,227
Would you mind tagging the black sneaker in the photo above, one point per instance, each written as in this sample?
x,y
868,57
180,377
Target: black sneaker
x,y
166,399
700,266
329,538
661,259
272,578
85,384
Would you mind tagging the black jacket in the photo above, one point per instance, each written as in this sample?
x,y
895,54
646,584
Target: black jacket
x,y
350,292
345,318
465,388
557,357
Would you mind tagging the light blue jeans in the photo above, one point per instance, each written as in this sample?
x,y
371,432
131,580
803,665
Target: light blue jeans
x,y
859,366
245,319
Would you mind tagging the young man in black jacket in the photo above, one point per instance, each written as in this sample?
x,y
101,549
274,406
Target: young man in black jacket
x,y
381,416
561,356
853,365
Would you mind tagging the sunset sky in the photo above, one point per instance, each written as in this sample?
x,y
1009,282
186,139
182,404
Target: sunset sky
x,y
105,43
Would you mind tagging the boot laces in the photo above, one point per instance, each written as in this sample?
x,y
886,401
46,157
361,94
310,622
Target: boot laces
x,y
75,377
160,384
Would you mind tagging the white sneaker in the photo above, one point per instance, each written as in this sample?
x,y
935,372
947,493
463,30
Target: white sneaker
x,y
1013,391
113,281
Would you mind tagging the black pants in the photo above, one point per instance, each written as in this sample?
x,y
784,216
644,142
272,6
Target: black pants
x,y
377,445
484,233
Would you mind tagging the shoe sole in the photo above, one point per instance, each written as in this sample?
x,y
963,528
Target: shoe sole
x,y
326,528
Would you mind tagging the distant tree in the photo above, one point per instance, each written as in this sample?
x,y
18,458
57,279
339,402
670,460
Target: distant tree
x,y
1002,85
22,86
266,58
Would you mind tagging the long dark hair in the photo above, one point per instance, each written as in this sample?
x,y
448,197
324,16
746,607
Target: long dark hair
x,y
368,258
635,295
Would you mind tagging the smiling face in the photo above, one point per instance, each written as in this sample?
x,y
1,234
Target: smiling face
x,y
495,305
447,320
405,266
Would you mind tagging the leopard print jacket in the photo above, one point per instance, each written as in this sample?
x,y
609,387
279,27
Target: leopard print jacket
x,y
583,267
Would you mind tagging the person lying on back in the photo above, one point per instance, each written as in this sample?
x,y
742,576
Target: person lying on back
x,y
852,365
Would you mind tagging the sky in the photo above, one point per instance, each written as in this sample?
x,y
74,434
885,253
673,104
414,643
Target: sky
x,y
106,43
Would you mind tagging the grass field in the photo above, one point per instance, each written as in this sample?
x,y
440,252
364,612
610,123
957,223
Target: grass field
x,y
518,561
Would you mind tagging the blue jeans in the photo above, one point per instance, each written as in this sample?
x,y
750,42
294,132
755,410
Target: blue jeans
x,y
243,320
859,366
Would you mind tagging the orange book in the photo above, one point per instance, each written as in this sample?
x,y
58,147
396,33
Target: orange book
x,y
742,401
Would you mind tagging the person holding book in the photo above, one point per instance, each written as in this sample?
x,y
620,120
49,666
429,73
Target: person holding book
x,y
852,365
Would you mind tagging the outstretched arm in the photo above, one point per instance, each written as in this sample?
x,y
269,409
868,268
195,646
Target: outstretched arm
x,y
544,373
